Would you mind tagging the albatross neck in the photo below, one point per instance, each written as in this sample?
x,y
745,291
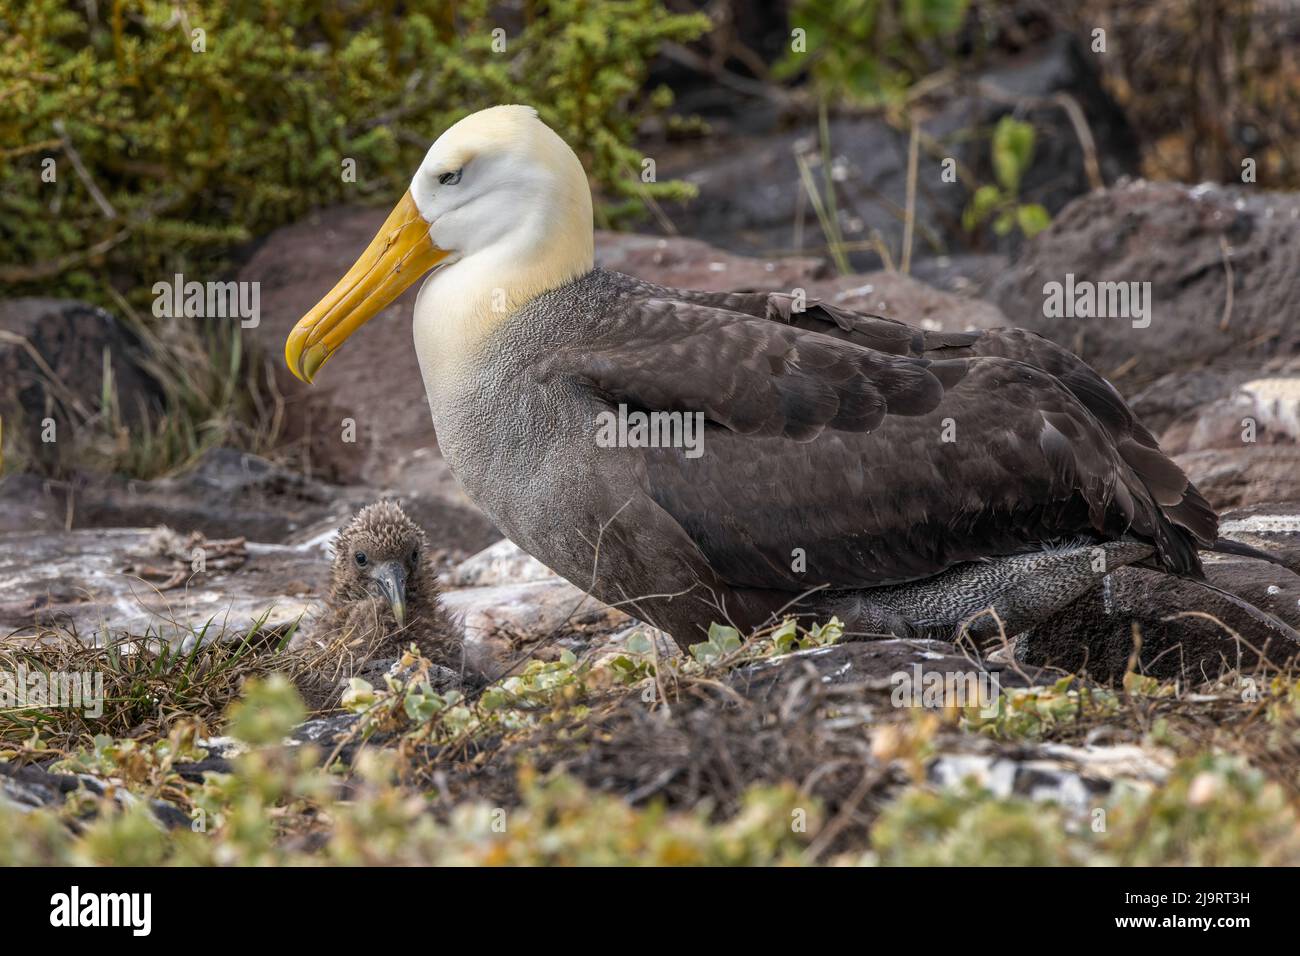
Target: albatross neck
x,y
462,304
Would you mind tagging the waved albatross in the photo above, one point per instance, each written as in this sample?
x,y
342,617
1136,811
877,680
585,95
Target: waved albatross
x,y
904,480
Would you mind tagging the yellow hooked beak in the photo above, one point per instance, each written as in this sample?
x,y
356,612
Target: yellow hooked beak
x,y
401,253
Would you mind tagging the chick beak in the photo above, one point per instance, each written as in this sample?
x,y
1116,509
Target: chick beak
x,y
391,577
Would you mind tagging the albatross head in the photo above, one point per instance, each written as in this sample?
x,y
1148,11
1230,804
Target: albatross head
x,y
500,207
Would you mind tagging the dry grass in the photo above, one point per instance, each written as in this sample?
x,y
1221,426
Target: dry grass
x,y
843,747
148,685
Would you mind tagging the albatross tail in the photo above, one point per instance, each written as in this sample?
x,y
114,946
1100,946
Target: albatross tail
x,y
1228,546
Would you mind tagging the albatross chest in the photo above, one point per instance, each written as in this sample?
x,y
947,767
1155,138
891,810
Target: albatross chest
x,y
525,447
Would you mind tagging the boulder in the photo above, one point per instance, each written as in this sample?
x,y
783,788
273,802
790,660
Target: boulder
x,y
228,494
27,788
1242,448
1233,478
1172,403
55,355
1185,628
1272,527
1194,246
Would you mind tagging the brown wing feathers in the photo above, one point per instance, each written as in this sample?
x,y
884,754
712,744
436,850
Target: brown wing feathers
x,y
1179,501
757,378
1047,449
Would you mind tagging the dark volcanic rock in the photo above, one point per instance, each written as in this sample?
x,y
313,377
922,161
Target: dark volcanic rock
x,y
1273,527
871,663
1259,410
1175,399
31,787
53,357
966,274
229,494
1192,245
1241,448
1231,478
751,197
1233,427
226,494
1186,629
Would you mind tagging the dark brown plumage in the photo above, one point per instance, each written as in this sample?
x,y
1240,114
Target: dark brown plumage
x,y
824,433
1177,497
804,413
383,596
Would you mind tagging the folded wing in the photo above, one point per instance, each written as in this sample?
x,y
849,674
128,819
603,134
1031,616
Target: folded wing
x,y
829,462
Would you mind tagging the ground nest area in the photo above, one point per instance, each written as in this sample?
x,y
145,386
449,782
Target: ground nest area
x,y
603,744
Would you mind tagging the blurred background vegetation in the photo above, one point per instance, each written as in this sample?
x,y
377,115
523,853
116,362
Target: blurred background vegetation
x,y
166,160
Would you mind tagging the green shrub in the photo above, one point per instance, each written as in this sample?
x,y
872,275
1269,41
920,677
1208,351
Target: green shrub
x,y
870,51
179,131
1214,810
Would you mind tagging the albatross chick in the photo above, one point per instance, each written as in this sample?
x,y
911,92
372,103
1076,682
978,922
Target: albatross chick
x,y
383,596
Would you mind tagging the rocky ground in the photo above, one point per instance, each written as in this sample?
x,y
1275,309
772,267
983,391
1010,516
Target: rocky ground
x,y
236,544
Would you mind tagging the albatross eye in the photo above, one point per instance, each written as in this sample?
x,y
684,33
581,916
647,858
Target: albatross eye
x,y
450,179
361,559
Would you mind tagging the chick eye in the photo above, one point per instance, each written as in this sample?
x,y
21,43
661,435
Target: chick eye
x,y
450,179
361,559
415,555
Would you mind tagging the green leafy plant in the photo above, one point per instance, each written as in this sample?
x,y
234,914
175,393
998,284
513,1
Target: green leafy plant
x,y
722,641
1033,712
1012,155
869,51
177,132
1212,811
725,644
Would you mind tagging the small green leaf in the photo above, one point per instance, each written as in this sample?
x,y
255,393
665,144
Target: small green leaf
x,y
722,635
1032,219
638,643
786,636
985,200
704,652
494,698
823,635
1013,151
